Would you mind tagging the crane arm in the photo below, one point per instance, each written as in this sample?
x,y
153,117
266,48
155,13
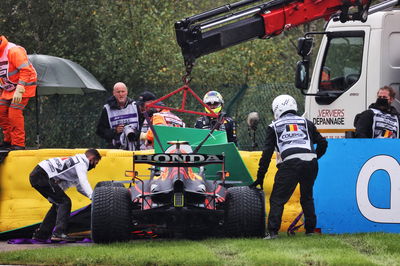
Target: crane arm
x,y
215,30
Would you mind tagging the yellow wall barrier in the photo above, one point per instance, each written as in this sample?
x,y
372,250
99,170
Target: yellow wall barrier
x,y
21,205
292,208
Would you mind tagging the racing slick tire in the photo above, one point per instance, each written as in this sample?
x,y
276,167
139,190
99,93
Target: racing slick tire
x,y
111,214
109,184
244,212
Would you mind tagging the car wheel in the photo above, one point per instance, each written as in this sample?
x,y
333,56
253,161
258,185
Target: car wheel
x,y
109,184
111,214
244,212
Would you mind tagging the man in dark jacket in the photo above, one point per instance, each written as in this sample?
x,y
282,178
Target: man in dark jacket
x,y
381,120
293,137
121,118
215,101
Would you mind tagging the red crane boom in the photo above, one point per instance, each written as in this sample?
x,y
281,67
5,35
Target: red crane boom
x,y
215,30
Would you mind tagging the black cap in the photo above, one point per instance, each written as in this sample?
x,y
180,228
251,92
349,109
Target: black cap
x,y
146,96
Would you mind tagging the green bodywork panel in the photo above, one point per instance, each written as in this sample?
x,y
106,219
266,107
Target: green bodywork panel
x,y
216,144
193,135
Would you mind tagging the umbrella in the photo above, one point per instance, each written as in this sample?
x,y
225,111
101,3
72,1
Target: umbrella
x,y
61,76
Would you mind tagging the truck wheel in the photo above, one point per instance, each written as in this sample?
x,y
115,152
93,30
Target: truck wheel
x,y
244,212
108,184
111,214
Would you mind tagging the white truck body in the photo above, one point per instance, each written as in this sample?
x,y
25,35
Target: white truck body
x,y
358,59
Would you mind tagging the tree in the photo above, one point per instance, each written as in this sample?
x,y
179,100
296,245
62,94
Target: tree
x,y
134,41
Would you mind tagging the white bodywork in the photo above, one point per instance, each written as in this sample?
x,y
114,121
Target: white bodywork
x,y
373,57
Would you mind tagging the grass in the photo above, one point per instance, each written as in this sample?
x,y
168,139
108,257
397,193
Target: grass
x,y
357,249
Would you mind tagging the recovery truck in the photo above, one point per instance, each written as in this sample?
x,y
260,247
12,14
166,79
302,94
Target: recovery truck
x,y
361,58
361,54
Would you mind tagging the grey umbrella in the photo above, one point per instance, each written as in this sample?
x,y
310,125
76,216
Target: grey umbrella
x,y
60,76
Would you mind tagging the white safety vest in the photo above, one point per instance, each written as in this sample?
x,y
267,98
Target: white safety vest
x,y
291,132
69,172
127,116
385,125
5,83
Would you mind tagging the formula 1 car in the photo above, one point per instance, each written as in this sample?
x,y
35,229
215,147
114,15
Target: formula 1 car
x,y
177,201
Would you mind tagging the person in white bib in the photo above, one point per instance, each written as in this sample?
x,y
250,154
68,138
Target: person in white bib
x,y
122,118
381,120
50,178
293,137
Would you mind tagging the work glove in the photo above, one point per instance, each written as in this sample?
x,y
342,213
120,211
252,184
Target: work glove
x,y
17,97
257,182
143,136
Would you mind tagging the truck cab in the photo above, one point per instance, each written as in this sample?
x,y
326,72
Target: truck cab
x,y
355,59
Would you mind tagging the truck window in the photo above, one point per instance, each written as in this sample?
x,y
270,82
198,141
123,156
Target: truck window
x,y
342,64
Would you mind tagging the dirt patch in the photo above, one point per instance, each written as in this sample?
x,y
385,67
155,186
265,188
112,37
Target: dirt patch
x,y
4,246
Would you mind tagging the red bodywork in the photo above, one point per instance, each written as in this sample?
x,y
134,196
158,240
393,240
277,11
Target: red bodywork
x,y
298,13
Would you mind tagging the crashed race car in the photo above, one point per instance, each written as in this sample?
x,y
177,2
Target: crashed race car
x,y
176,201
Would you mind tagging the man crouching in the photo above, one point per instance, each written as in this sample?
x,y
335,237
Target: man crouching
x,y
51,177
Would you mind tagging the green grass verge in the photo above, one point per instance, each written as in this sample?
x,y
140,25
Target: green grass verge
x,y
358,249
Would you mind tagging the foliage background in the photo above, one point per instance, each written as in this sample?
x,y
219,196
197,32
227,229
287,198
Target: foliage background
x,y
134,41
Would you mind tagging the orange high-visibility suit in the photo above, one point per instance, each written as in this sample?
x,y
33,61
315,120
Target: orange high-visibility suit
x,y
165,117
18,80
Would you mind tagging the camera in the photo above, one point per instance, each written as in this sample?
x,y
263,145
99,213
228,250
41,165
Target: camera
x,y
131,133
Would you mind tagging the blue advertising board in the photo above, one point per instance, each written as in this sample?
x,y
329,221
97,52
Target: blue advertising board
x,y
358,186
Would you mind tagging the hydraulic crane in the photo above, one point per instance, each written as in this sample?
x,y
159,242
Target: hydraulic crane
x,y
245,20
220,28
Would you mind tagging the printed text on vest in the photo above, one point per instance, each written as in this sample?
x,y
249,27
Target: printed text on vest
x,y
126,116
291,132
385,125
5,83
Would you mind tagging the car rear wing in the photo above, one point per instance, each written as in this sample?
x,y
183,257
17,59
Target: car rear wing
x,y
180,160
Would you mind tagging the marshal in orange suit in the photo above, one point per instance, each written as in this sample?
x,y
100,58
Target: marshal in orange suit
x,y
18,80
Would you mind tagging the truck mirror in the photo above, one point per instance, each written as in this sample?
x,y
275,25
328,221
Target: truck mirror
x,y
302,74
304,46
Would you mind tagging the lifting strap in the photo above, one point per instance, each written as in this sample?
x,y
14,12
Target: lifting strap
x,y
186,91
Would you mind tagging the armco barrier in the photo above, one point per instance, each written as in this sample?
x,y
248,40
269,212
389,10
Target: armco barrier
x,y
358,186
